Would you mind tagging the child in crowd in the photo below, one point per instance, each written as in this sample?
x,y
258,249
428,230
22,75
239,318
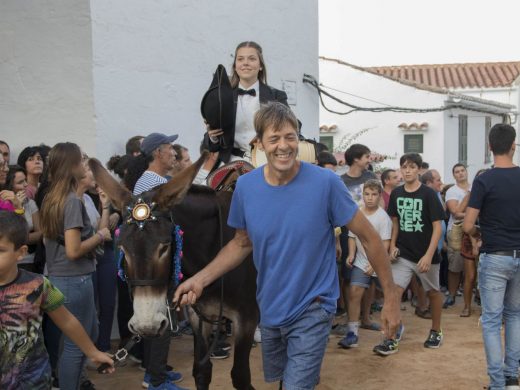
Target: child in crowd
x,y
362,272
416,213
24,297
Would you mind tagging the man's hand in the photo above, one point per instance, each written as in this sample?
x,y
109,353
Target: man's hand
x,y
394,252
214,134
188,292
99,358
350,260
424,264
391,313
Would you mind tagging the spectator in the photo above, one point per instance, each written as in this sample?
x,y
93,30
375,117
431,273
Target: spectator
x,y
5,151
69,243
157,149
32,161
424,167
24,296
494,201
416,217
327,160
133,145
16,182
390,180
454,197
357,158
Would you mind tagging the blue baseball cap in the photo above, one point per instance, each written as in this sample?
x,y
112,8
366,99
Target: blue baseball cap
x,y
154,140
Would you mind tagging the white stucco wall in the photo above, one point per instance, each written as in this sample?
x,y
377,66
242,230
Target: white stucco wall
x,y
440,141
46,73
153,64
97,72
384,137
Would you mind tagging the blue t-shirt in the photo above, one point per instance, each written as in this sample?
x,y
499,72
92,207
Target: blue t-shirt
x,y
292,231
496,193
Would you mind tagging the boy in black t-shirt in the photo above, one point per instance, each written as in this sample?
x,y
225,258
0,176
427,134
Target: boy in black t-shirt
x,y
416,214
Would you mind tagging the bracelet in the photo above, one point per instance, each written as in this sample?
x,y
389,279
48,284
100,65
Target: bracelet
x,y
214,140
20,211
101,236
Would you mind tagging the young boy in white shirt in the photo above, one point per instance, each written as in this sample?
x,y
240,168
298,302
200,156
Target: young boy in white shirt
x,y
362,272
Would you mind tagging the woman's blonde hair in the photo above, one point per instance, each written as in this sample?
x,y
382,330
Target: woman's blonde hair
x,y
63,157
262,74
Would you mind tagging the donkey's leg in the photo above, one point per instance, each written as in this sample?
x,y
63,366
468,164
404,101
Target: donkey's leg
x,y
202,370
244,330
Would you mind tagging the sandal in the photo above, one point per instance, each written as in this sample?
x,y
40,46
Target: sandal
x,y
371,326
466,312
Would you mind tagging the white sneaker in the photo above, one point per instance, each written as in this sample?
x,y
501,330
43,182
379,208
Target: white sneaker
x,y
258,335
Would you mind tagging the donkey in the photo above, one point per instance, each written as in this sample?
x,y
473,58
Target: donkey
x,y
146,240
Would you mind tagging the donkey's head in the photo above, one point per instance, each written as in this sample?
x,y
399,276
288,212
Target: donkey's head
x,y
145,238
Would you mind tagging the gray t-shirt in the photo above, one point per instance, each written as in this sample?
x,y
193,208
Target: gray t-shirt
x,y
355,184
74,217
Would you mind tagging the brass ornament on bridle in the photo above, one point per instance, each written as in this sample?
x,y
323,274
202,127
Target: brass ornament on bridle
x,y
140,213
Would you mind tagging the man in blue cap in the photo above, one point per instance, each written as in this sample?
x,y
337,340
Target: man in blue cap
x,y
160,155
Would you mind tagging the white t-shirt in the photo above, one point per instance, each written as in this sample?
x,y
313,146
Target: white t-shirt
x,y
383,225
454,193
247,106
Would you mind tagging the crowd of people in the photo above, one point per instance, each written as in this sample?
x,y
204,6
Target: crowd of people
x,y
397,235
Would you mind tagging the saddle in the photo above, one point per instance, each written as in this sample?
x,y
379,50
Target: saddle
x,y
225,178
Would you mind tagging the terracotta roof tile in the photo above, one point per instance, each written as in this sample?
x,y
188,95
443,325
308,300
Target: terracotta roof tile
x,y
473,75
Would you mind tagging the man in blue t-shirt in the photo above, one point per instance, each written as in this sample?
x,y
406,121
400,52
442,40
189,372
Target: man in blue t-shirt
x,y
285,213
494,201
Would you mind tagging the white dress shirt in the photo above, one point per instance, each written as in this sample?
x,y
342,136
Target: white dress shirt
x,y
247,106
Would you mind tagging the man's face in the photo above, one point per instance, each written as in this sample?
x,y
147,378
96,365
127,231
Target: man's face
x,y
166,155
409,171
436,183
393,180
6,153
281,148
371,197
460,174
362,162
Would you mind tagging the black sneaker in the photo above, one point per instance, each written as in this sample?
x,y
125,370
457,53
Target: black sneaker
x,y
219,354
512,383
387,347
223,345
87,385
434,339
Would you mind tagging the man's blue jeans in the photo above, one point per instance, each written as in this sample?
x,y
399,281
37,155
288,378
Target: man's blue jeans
x,y
294,353
499,284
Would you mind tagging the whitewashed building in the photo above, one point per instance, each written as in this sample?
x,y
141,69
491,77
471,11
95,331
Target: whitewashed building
x,y
446,127
98,72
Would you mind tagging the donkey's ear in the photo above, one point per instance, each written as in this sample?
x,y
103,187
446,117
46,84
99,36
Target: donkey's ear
x,y
175,190
118,195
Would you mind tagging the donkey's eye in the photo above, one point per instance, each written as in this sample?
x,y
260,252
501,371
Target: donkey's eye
x,y
163,249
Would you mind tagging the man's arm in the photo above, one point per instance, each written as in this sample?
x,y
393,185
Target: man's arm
x,y
453,208
229,257
469,222
73,329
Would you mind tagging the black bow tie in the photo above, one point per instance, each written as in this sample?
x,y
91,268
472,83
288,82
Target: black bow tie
x,y
251,92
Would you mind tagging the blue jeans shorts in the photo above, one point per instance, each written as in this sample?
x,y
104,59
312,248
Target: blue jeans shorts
x,y
294,353
361,279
